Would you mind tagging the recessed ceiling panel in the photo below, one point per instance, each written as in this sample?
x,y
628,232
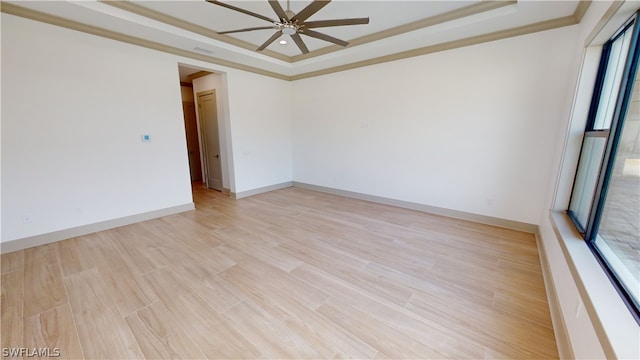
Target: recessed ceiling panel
x,y
395,27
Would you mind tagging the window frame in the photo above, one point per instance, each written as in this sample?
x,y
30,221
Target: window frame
x,y
590,231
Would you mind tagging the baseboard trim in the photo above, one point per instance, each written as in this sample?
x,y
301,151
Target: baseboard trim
x,y
559,326
483,219
244,194
37,240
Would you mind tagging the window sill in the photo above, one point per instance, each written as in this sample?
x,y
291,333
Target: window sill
x,y
615,326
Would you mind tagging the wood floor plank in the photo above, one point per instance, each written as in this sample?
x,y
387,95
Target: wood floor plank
x,y
262,280
11,320
202,248
74,255
194,233
523,270
43,286
102,331
259,325
55,331
211,333
391,252
159,336
323,254
263,247
389,341
136,244
483,325
292,273
293,231
422,329
129,292
518,304
207,218
349,270
298,312
12,261
182,254
216,257
429,283
219,293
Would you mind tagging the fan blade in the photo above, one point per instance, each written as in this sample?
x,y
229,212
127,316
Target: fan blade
x,y
298,40
275,5
240,10
310,10
271,39
337,22
324,37
247,29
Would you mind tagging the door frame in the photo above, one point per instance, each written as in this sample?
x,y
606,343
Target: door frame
x,y
194,168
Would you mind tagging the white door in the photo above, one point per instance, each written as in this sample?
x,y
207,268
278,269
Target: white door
x,y
208,111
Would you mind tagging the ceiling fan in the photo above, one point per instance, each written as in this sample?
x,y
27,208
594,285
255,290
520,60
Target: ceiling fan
x,y
294,25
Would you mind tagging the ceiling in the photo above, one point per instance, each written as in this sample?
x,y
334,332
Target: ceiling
x,y
397,29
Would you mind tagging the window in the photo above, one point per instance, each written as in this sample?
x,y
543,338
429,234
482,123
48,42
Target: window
x,y
605,200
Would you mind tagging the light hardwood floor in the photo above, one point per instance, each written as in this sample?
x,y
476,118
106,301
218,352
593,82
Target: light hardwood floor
x,y
292,274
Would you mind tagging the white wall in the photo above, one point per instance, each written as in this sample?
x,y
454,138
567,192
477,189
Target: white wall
x,y
468,129
74,107
261,114
73,112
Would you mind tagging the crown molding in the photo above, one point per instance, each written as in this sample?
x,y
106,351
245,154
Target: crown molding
x,y
581,9
470,10
573,19
185,25
20,11
498,35
467,11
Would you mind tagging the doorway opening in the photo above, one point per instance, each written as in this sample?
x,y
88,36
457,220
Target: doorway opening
x,y
204,108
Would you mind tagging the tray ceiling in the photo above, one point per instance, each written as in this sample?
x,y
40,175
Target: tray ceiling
x,y
397,29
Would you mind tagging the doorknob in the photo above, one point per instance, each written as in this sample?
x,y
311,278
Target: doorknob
x,y
217,156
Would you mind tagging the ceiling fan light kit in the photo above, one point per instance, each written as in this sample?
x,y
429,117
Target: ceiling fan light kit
x,y
289,29
294,25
